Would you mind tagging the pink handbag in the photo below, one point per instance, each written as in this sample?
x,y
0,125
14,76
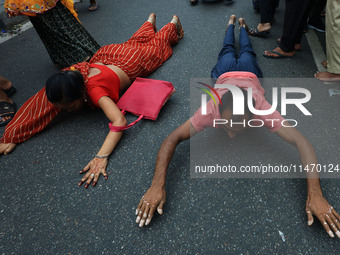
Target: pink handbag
x,y
144,98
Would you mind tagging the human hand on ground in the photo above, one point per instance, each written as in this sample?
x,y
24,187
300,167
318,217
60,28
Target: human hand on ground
x,y
96,167
317,205
153,198
6,148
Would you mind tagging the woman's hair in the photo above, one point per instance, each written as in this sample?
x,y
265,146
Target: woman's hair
x,y
65,87
227,103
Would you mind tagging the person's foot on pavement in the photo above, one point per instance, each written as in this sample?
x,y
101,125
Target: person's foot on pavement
x,y
326,76
278,53
232,21
242,23
152,20
262,30
93,6
180,32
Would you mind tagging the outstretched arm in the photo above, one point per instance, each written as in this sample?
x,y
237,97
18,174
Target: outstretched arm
x,y
316,204
30,119
98,164
155,196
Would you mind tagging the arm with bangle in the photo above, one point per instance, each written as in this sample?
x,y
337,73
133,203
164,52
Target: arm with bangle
x,y
98,164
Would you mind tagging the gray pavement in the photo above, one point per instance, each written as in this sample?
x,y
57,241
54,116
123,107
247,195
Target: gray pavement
x,y
43,211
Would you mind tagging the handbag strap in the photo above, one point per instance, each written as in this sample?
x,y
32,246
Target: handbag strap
x,y
122,128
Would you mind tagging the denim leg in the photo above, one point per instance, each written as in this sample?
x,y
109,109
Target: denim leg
x,y
227,56
247,57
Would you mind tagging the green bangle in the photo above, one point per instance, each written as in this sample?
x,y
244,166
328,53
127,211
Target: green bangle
x,y
98,156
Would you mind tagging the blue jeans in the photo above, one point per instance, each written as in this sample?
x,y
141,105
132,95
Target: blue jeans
x,y
228,60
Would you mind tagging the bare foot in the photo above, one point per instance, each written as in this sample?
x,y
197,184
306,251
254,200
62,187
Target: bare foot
x,y
242,23
152,20
263,27
180,32
324,63
326,76
278,53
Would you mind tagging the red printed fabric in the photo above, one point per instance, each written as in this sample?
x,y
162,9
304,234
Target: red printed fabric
x,y
31,118
35,114
142,54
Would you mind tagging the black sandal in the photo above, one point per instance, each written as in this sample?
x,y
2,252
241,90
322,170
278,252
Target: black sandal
x,y
256,32
10,92
6,110
193,2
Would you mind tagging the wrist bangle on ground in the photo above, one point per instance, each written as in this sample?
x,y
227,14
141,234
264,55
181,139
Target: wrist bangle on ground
x,y
100,156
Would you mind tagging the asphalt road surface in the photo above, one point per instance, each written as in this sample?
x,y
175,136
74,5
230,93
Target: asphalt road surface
x,y
43,211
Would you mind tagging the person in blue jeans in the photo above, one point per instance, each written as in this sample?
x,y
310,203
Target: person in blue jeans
x,y
228,60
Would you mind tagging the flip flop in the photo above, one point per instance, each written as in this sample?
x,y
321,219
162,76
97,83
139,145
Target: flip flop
x,y
10,92
94,6
280,55
7,110
256,32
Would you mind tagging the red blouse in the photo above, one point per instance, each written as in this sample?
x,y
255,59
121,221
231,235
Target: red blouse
x,y
106,83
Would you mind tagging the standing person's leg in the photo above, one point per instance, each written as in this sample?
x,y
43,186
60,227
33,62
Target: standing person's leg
x,y
294,17
267,10
247,57
302,25
227,57
332,43
294,14
93,5
315,21
66,40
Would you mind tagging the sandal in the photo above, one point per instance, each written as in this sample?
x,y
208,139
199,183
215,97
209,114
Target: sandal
x,y
242,23
10,92
256,32
180,31
279,55
6,110
93,7
193,2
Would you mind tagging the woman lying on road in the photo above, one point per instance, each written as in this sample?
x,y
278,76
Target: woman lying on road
x,y
99,82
